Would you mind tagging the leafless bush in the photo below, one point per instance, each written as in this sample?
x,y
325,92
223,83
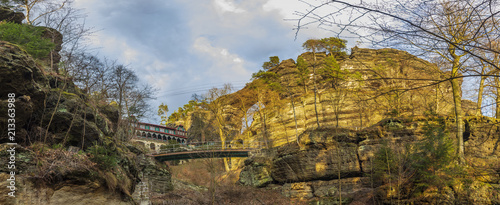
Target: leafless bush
x,y
54,165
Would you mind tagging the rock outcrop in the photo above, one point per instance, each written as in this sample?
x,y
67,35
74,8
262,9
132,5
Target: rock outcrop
x,y
373,92
327,162
6,14
43,100
69,149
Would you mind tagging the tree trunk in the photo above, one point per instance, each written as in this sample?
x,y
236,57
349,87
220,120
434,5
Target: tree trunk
x,y
480,93
305,114
497,99
437,98
457,99
295,119
315,90
223,144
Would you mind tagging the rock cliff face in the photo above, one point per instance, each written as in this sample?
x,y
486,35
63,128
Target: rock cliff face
x,y
8,15
390,83
313,168
69,149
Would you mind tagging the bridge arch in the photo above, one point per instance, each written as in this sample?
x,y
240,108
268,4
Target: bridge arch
x,y
152,146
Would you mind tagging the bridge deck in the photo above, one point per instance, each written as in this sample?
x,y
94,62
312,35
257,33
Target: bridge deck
x,y
201,154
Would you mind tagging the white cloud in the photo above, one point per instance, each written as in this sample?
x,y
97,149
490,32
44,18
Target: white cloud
x,y
222,63
177,44
227,6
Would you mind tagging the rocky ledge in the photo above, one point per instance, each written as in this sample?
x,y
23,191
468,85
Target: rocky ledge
x,y
329,164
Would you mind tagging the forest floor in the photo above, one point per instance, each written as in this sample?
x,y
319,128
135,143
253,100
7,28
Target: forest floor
x,y
204,181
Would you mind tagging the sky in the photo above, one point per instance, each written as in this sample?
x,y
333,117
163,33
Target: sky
x,y
183,47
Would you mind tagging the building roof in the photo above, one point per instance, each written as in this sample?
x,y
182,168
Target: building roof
x,y
162,126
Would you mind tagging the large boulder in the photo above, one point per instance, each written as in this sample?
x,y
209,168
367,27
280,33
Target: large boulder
x,y
256,172
317,163
20,76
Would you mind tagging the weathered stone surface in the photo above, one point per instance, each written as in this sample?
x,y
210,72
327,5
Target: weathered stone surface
x,y
349,188
156,174
6,14
300,190
53,59
18,72
256,172
50,109
308,170
316,163
29,193
361,104
320,155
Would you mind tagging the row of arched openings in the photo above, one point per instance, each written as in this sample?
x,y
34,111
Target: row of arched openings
x,y
156,136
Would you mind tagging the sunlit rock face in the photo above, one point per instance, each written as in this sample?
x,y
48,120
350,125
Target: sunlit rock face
x,y
380,84
328,165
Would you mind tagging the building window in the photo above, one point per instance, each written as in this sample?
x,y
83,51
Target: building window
x,y
147,127
157,129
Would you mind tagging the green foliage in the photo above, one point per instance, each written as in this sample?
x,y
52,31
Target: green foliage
x,y
162,112
434,157
428,163
332,73
313,45
335,46
57,146
273,62
105,159
385,164
302,71
271,79
27,37
183,111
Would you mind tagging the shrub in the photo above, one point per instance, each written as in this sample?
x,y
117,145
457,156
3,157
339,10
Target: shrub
x,y
55,165
105,159
27,37
434,157
412,169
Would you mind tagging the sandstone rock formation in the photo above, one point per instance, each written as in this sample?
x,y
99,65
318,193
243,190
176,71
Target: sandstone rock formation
x,y
56,126
393,83
6,14
325,158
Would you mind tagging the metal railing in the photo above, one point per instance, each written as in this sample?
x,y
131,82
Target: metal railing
x,y
234,144
211,145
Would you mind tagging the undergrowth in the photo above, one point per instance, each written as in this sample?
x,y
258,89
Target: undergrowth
x,y
28,37
203,172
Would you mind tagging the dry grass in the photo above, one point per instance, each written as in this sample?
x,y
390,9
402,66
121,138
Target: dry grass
x,y
54,165
225,194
